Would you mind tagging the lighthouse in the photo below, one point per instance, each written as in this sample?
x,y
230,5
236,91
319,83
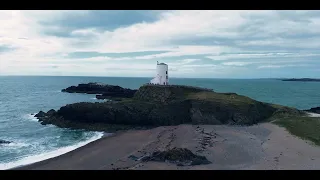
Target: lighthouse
x,y
162,77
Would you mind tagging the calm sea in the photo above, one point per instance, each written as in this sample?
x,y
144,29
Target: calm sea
x,y
32,142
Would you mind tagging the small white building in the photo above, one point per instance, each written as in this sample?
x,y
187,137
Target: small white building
x,y
162,75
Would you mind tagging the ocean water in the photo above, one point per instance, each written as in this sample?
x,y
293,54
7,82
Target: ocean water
x,y
32,142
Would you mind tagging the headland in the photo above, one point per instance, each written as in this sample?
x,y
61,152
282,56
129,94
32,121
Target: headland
x,y
182,127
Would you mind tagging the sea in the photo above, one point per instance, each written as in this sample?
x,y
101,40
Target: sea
x,y
22,96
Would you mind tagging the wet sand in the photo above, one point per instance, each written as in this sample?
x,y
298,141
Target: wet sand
x,y
263,146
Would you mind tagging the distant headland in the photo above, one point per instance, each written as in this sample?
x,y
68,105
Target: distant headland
x,y
302,80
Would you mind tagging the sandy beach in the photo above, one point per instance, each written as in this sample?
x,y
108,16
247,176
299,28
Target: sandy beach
x,y
262,146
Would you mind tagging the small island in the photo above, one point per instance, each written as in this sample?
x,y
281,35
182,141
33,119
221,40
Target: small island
x,y
302,80
160,105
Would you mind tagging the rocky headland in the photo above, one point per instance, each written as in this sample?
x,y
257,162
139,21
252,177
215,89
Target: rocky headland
x,y
102,91
153,105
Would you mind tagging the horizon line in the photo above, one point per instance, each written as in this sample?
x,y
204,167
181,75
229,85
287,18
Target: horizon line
x,y
149,77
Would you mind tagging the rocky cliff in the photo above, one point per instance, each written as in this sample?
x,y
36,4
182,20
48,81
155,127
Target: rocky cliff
x,y
167,105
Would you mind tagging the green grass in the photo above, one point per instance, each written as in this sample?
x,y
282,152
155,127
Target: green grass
x,y
221,97
307,128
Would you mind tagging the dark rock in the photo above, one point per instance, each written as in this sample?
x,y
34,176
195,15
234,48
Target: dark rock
x,y
199,161
179,156
180,164
40,114
106,91
314,110
32,114
51,112
4,142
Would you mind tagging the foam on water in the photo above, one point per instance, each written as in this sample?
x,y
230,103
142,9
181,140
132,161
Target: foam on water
x,y
313,115
31,117
47,155
14,145
98,99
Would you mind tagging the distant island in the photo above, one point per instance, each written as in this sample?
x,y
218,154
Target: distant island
x,y
302,80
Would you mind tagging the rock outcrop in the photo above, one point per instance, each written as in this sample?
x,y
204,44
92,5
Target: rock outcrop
x,y
166,105
103,91
179,156
314,110
4,142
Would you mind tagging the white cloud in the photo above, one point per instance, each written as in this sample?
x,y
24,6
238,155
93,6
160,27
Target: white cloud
x,y
234,32
282,66
237,63
262,55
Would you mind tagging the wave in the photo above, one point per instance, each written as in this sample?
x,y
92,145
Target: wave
x,y
31,117
14,145
47,155
98,99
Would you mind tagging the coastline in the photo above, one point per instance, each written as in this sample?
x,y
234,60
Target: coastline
x,y
68,154
124,150
267,146
53,154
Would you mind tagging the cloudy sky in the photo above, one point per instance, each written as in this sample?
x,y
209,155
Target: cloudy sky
x,y
210,44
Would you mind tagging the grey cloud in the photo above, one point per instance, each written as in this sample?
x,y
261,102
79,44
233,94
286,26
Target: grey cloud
x,y
265,27
97,54
101,20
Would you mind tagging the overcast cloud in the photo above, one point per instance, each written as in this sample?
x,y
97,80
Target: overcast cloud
x,y
212,44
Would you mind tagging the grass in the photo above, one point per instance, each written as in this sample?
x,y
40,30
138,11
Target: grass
x,y
221,97
307,128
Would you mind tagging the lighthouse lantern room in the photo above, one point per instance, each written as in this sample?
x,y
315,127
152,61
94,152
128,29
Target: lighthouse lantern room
x,y
162,75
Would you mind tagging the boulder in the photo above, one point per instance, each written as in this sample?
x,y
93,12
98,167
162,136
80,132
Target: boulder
x,y
50,112
40,114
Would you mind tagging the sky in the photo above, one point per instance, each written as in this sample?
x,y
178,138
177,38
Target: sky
x,y
128,43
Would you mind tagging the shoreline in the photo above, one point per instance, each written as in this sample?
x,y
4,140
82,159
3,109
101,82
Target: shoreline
x,y
55,153
91,143
267,146
64,155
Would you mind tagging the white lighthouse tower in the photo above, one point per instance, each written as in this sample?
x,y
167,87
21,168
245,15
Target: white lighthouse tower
x,y
162,75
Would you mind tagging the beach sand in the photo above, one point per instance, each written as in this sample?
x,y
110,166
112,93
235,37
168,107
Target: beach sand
x,y
263,146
